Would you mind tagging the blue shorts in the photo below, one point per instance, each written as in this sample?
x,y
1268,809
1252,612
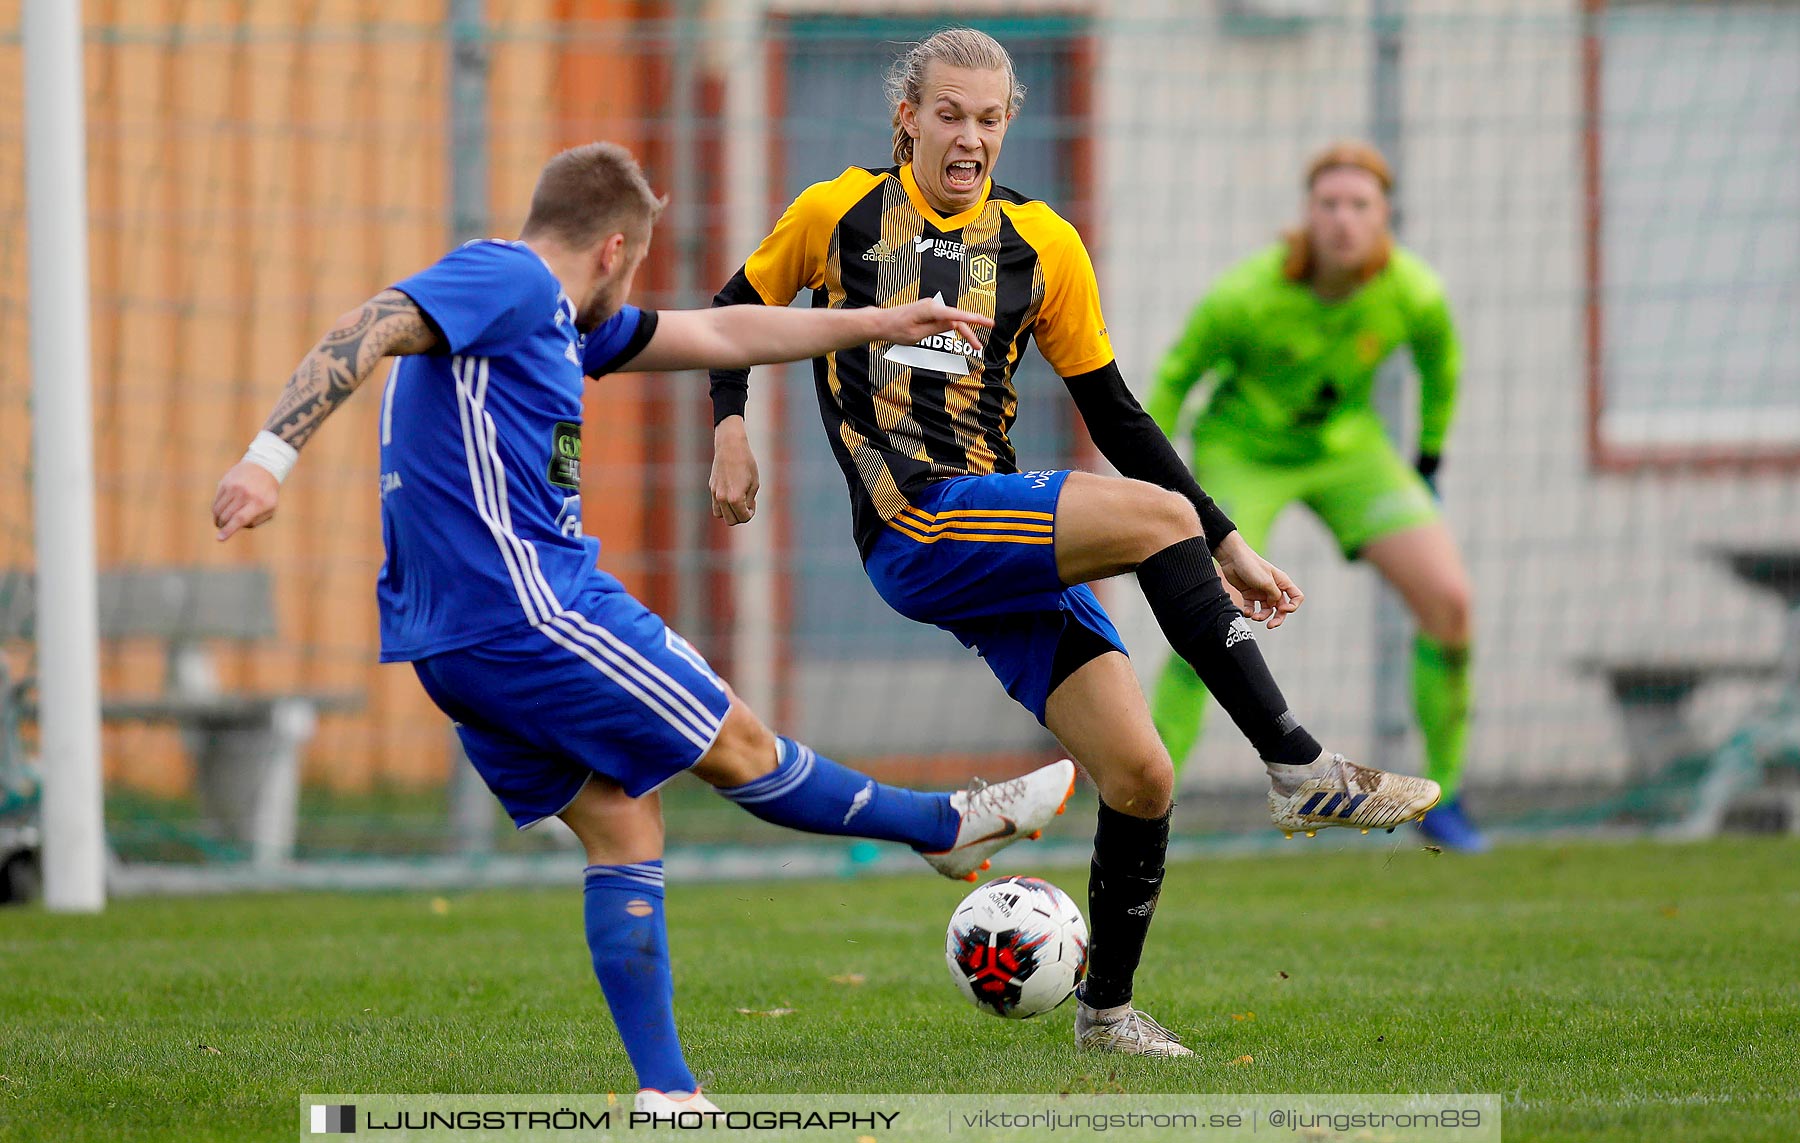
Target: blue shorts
x,y
976,555
604,688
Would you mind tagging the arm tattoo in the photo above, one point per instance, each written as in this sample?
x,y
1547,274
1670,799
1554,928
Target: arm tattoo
x,y
388,323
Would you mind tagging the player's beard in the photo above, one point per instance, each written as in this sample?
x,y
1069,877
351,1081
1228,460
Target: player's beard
x,y
601,303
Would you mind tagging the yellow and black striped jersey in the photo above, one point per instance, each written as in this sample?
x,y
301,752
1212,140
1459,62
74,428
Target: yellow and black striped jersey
x,y
900,416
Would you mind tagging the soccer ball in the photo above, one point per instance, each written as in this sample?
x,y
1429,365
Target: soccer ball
x,y
1017,947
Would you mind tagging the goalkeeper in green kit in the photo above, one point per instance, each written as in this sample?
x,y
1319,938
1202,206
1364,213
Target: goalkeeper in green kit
x,y
1289,341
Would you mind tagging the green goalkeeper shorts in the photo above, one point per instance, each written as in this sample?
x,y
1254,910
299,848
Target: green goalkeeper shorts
x,y
1355,482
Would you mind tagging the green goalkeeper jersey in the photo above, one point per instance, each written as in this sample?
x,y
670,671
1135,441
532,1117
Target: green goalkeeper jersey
x,y
1294,375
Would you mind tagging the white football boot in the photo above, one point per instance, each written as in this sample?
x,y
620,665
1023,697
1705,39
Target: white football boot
x,y
1124,1030
671,1102
993,817
1338,792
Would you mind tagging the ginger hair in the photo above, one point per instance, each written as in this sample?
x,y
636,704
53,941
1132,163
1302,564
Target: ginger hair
x,y
1300,262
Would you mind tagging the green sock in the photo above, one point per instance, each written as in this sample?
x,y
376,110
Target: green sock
x,y
1179,710
1441,702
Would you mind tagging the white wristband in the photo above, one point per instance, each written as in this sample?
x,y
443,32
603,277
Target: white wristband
x,y
272,453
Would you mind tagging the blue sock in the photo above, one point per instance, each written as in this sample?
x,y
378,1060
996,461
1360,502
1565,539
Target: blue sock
x,y
814,794
630,945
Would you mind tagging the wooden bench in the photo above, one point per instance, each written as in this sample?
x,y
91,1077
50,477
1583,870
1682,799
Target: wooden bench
x,y
245,747
1652,694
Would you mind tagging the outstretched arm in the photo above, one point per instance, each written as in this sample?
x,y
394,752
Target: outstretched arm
x,y
387,324
735,337
732,336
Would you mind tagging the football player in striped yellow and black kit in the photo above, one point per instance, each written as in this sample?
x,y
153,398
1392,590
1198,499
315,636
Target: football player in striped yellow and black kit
x,y
901,416
953,534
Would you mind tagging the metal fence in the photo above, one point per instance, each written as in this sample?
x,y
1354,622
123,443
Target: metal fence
x,y
1607,190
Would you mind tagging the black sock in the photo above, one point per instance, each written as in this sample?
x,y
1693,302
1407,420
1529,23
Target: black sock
x,y
1124,883
1206,628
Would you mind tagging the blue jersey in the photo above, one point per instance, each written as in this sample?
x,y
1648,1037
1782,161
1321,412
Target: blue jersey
x,y
481,452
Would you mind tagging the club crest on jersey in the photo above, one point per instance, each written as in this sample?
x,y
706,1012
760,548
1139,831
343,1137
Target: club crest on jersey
x,y
983,270
568,519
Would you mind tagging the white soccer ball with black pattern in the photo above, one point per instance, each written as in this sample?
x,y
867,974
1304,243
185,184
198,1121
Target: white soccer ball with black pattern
x,y
1017,947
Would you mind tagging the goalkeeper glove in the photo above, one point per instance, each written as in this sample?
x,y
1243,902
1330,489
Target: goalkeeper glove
x,y
1427,465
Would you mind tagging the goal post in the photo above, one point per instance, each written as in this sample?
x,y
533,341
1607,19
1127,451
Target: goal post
x,y
63,458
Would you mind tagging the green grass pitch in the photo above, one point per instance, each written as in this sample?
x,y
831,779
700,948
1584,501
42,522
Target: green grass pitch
x,y
1629,992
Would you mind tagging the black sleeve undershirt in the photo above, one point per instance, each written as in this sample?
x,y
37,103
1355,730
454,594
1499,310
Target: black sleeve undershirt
x,y
1127,437
731,387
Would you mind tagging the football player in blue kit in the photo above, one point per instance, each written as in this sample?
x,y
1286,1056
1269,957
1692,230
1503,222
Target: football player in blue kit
x,y
572,699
